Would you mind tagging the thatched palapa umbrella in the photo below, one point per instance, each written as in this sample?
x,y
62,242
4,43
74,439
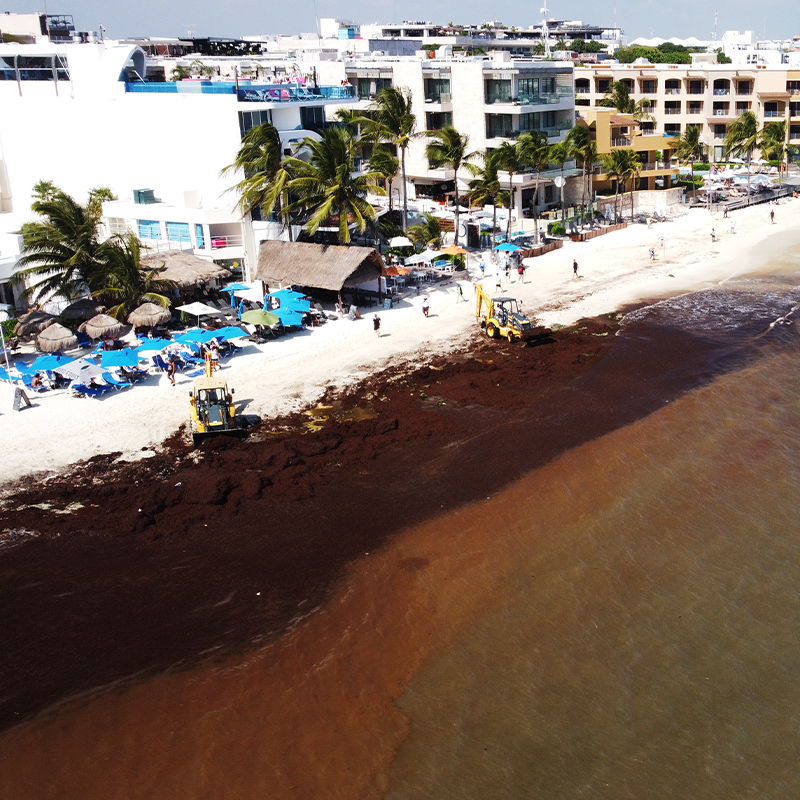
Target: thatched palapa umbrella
x,y
184,269
56,338
101,326
85,308
148,315
33,322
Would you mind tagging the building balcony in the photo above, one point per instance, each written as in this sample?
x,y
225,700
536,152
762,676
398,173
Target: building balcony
x,y
672,91
248,92
773,114
672,111
224,242
621,141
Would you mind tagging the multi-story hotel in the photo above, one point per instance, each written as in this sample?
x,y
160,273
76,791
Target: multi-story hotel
x,y
708,95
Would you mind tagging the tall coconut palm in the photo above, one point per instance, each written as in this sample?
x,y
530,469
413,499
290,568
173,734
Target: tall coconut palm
x,y
509,161
382,161
394,122
260,159
60,252
583,148
618,96
127,284
622,164
689,147
485,185
633,168
743,136
773,143
534,152
449,148
327,185
558,154
612,166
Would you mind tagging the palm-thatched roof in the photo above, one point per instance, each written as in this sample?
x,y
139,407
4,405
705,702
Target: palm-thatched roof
x,y
85,308
33,322
184,269
317,266
56,338
101,325
148,315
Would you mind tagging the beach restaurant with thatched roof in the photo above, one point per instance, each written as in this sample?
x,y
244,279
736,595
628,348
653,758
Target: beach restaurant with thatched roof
x,y
320,266
184,269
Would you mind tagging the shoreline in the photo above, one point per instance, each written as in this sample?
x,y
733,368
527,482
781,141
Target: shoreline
x,y
288,375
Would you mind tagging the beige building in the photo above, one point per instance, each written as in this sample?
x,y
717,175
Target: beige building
x,y
708,95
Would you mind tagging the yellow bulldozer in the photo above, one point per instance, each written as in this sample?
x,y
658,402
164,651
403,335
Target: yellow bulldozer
x,y
212,410
503,317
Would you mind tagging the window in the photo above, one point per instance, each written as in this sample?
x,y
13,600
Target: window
x,y
603,85
672,128
770,109
313,118
743,106
178,232
201,239
436,120
695,106
528,89
791,86
149,229
695,87
744,87
581,86
547,85
498,91
722,86
648,87
794,109
648,127
672,107
117,225
435,88
499,125
367,88
672,87
252,119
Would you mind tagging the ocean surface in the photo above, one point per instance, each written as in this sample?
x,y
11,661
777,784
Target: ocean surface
x,y
622,623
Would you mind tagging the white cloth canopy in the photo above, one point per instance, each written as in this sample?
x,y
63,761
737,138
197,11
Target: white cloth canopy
x,y
400,241
79,370
198,309
423,258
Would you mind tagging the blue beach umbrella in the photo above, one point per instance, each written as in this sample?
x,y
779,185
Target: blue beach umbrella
x,y
128,357
510,248
152,345
235,287
196,336
230,332
50,362
288,316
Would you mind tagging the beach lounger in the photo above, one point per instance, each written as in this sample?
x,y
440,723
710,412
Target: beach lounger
x,y
91,391
112,381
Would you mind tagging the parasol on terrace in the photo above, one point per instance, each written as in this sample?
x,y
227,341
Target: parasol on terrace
x,y
400,241
81,370
101,326
33,322
127,357
394,271
454,250
507,247
198,310
56,338
85,308
148,315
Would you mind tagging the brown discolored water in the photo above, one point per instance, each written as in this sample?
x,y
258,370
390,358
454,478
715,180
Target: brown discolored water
x,y
621,622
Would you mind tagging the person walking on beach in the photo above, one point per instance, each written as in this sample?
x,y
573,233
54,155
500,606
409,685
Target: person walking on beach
x,y
521,273
172,365
376,324
460,293
713,236
574,269
771,216
733,226
652,254
214,357
425,306
475,285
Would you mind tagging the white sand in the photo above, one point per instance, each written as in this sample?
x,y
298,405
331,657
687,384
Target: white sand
x,y
289,373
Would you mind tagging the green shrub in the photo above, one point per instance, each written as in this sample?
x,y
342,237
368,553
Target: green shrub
x,y
8,327
557,229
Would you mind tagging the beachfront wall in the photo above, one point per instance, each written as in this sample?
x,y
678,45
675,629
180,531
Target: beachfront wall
x,y
319,266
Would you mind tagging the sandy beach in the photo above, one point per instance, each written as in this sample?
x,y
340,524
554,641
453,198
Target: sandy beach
x,y
290,373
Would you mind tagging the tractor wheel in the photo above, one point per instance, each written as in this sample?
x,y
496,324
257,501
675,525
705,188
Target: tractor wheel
x,y
491,331
511,337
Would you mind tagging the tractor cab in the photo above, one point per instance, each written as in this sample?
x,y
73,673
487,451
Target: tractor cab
x,y
212,409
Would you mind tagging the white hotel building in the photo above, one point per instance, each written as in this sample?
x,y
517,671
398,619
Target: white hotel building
x,y
79,115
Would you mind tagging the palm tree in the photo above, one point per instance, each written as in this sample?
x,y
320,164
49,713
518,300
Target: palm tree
x,y
260,159
328,186
126,282
622,164
427,233
485,186
612,166
583,148
558,154
509,161
633,168
742,137
534,152
387,165
393,122
689,147
449,149
773,143
618,96
62,248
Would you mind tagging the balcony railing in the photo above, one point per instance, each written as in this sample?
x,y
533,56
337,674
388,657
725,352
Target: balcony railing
x,y
581,90
721,91
220,242
247,92
672,91
621,142
695,111
721,112
770,113
672,111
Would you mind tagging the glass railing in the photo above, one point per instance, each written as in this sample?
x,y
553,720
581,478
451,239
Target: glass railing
x,y
248,92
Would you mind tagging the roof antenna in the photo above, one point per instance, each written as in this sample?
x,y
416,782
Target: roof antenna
x,y
545,32
714,32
